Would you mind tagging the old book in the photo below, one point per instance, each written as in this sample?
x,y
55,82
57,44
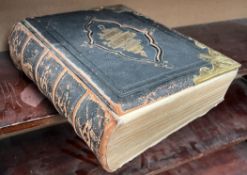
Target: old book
x,y
123,81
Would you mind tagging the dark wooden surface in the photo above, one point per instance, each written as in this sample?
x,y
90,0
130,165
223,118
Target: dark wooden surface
x,y
21,103
20,99
57,150
23,107
228,37
231,161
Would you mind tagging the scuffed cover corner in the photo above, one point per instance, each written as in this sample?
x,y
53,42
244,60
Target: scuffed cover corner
x,y
92,120
220,64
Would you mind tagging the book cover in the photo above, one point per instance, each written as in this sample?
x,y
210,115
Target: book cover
x,y
96,66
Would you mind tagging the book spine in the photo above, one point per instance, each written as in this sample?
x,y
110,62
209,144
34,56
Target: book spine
x,y
90,117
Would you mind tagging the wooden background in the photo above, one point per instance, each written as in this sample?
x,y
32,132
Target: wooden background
x,y
172,13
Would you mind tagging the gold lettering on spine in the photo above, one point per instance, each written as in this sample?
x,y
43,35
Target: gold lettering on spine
x,y
13,43
27,68
87,133
56,83
44,54
77,106
23,48
44,79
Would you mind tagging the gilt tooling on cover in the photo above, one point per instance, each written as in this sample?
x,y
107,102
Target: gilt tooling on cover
x,y
128,59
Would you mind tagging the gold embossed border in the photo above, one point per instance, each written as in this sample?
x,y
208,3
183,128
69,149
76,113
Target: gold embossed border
x,y
220,64
159,56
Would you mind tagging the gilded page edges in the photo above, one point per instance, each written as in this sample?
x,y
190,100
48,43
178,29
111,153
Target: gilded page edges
x,y
220,64
17,48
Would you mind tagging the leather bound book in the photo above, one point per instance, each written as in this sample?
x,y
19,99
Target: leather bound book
x,y
123,81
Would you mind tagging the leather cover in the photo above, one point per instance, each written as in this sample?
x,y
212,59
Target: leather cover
x,y
97,65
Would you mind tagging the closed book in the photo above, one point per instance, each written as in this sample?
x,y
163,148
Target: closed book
x,y
123,81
